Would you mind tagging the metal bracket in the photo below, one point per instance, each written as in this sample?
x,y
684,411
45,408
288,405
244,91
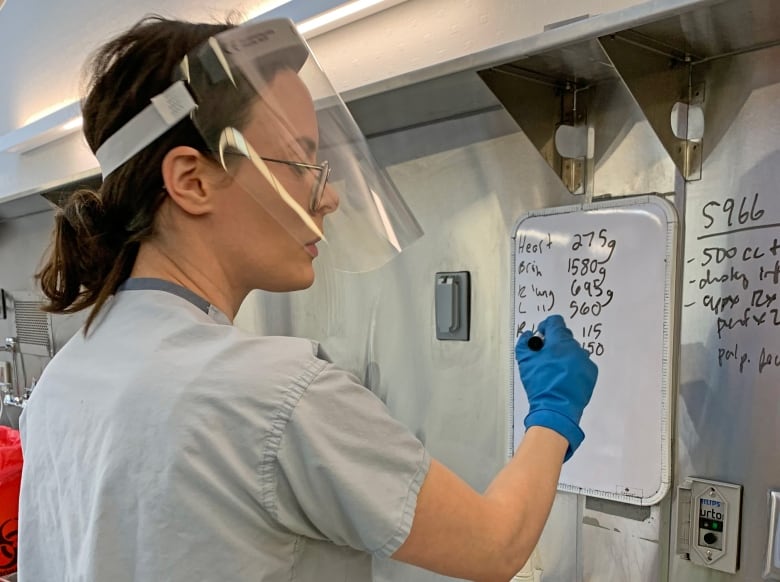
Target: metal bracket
x,y
660,79
690,159
694,139
553,114
533,101
571,141
573,175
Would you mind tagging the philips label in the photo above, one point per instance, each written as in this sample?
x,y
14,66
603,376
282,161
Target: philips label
x,y
711,509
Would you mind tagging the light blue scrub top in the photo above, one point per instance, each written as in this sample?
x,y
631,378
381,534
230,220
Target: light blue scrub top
x,y
168,445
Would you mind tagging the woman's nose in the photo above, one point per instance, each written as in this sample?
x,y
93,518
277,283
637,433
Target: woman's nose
x,y
330,200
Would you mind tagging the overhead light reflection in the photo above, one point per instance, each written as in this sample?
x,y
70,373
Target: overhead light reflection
x,y
341,15
265,6
73,124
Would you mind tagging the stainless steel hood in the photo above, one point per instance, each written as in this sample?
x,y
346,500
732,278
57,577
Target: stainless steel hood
x,y
641,60
663,67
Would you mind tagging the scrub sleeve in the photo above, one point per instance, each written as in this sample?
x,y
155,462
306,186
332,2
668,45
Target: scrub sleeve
x,y
343,469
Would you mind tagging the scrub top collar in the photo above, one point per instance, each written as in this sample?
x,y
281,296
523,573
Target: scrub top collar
x,y
153,284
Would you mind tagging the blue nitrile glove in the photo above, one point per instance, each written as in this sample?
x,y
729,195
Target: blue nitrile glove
x,y
558,380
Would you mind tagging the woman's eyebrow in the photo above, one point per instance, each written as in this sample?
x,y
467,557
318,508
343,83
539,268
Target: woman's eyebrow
x,y
308,144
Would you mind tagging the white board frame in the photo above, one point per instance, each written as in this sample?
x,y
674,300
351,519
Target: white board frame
x,y
669,356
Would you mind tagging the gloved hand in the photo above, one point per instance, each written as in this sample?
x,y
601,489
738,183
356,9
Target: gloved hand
x,y
558,380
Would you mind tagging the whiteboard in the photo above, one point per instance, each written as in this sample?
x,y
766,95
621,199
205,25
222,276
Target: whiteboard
x,y
609,269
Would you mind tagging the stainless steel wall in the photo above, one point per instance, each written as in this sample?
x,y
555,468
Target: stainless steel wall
x,y
728,409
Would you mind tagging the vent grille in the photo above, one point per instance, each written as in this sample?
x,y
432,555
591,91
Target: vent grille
x,y
32,324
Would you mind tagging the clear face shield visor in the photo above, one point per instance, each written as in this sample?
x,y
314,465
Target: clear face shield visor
x,y
273,121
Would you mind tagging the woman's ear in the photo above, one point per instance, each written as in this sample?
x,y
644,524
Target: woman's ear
x,y
185,175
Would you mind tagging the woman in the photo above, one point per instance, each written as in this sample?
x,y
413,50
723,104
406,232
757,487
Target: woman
x,y
162,443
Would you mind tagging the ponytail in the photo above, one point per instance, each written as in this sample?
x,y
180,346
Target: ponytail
x,y
87,261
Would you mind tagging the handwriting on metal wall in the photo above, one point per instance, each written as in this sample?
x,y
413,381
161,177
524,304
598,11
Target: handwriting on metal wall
x,y
736,282
587,292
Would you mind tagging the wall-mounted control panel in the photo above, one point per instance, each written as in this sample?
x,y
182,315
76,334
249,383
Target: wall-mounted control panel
x,y
708,523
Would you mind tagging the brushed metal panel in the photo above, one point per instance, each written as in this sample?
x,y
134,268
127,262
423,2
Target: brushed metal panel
x,y
729,420
629,156
618,546
724,27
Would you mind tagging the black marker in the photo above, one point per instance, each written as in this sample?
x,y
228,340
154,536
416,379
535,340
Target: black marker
x,y
536,342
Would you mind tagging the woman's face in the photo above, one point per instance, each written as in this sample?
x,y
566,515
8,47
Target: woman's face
x,y
266,242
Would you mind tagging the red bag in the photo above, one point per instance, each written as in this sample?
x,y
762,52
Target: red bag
x,y
10,481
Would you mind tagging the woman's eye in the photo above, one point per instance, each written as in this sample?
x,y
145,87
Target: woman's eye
x,y
299,171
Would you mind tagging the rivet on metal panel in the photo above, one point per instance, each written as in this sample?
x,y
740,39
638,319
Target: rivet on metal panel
x,y
697,94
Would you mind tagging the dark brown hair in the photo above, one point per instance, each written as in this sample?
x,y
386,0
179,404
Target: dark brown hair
x,y
97,234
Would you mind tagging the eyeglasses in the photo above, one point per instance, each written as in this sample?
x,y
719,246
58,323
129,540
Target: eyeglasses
x,y
318,188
